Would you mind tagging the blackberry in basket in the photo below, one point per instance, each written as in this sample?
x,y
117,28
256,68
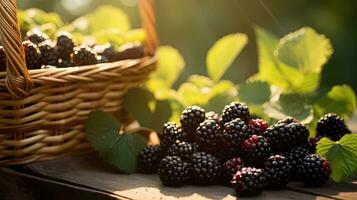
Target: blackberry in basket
x,y
64,45
149,159
131,51
173,171
32,55
332,126
49,54
107,51
235,110
83,55
36,36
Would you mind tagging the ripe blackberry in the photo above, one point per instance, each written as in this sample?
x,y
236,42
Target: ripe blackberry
x,y
170,134
230,168
183,150
313,143
235,132
249,181
108,51
277,170
256,150
212,115
84,55
63,62
288,120
314,170
332,126
300,134
206,168
149,159
224,153
102,59
208,135
49,55
191,118
36,36
64,45
32,55
235,110
131,51
173,171
294,157
257,126
2,59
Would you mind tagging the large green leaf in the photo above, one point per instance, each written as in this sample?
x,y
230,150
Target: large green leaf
x,y
108,17
305,50
118,149
169,65
341,99
223,53
342,156
255,92
192,94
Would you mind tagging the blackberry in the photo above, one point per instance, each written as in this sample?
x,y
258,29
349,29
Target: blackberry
x,y
294,157
235,132
208,135
191,118
224,153
173,171
64,45
131,51
63,62
230,167
300,134
288,120
277,171
32,55
256,150
332,126
313,143
108,51
84,55
2,59
314,170
206,169
149,159
49,55
170,134
183,150
249,181
235,110
212,115
257,126
36,36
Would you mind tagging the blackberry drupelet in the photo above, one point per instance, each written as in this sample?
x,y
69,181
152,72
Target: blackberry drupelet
x,y
131,51
170,134
288,120
49,55
65,45
235,110
32,55
249,181
208,135
36,36
314,170
294,157
256,150
206,169
235,132
277,171
332,126
257,126
191,118
84,55
184,150
108,51
173,171
149,159
230,167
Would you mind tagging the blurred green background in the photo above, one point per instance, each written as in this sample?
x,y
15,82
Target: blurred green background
x,y
192,26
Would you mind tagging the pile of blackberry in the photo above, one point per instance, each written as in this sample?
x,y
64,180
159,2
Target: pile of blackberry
x,y
43,53
240,150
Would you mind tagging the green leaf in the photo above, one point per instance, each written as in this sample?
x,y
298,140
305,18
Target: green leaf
x,y
113,36
341,99
294,105
120,150
342,156
305,50
223,93
135,35
256,92
223,53
192,95
169,65
200,81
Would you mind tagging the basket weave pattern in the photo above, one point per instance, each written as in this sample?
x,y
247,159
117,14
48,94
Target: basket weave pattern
x,y
42,111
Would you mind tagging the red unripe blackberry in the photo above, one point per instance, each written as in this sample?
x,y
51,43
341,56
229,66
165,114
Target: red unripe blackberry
x,y
32,55
257,126
277,170
230,168
84,55
184,150
208,135
235,110
131,51
235,132
314,170
65,45
256,150
249,181
173,171
171,133
149,159
49,55
36,36
191,118
295,157
332,126
206,169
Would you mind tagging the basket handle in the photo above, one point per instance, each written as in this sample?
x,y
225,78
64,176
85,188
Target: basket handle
x,y
18,80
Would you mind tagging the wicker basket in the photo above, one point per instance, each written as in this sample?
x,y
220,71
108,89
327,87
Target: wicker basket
x,y
42,111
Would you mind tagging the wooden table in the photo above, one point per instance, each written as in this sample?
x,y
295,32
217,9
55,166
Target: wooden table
x,y
86,177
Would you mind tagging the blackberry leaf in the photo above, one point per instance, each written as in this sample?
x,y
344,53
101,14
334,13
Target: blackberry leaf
x,y
256,92
342,156
120,150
